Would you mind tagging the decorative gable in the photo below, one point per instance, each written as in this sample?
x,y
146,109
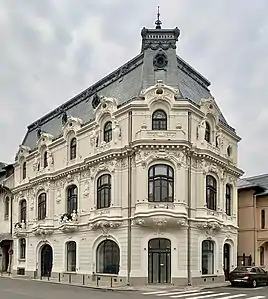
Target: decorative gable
x,y
106,106
73,124
45,139
23,152
210,109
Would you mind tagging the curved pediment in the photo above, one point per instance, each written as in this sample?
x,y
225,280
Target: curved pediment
x,y
107,106
73,124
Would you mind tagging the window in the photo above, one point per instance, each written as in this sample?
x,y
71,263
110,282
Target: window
x,y
73,149
159,120
108,133
262,256
42,204
22,248
108,257
7,207
104,191
24,170
45,160
262,219
23,210
71,199
207,257
228,198
207,132
211,192
161,183
71,256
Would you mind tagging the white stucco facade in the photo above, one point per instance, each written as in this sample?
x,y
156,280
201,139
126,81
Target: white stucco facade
x,y
132,218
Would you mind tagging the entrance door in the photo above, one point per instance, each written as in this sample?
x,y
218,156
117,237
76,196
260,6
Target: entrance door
x,y
46,260
226,260
159,261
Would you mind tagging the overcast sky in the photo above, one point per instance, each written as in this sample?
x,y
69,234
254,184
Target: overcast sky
x,y
51,50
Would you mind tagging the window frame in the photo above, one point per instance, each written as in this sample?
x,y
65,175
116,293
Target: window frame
x,y
207,253
24,170
45,160
158,181
71,255
108,132
22,248
72,199
7,208
208,132
42,206
112,261
104,196
211,191
159,123
263,218
23,210
73,148
228,199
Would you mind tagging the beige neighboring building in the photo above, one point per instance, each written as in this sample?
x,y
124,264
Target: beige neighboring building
x,y
253,220
133,181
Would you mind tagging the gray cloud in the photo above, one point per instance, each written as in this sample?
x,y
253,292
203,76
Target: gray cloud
x,y
51,50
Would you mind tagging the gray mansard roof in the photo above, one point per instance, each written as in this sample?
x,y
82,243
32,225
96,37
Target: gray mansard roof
x,y
126,83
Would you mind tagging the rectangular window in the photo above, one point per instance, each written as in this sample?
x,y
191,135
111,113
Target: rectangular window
x,y
262,219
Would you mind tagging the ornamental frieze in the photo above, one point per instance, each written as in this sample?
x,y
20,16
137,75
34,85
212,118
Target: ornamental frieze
x,y
105,226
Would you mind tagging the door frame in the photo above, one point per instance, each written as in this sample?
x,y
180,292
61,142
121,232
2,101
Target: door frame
x,y
41,260
228,268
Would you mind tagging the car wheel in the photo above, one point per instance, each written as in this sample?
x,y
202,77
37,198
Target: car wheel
x,y
254,283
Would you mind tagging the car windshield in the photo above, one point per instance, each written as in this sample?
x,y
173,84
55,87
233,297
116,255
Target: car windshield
x,y
242,269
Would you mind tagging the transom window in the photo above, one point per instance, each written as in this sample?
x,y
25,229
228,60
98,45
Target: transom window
x,y
71,199
45,159
71,256
42,206
108,132
228,198
207,257
24,170
73,149
108,257
22,248
161,183
23,210
104,191
208,132
159,120
211,192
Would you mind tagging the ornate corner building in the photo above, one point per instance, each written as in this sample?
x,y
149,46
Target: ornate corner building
x,y
134,179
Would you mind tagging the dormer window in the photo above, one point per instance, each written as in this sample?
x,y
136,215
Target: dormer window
x,y
208,132
73,149
24,170
45,159
159,120
108,133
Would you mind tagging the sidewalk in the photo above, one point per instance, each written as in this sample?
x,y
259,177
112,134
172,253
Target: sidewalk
x,y
145,288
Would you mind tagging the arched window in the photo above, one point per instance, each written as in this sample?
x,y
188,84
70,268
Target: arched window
x,y
7,208
71,199
73,149
159,120
108,132
108,257
104,191
23,210
208,132
262,219
24,170
161,183
71,256
262,256
45,159
42,206
228,198
211,192
207,257
22,248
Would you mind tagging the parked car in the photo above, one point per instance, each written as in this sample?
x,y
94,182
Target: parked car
x,y
252,276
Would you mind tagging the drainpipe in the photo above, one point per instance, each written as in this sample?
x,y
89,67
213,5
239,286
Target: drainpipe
x,y
189,274
255,231
129,196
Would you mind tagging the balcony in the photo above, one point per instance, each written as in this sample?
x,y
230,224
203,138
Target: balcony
x,y
109,214
174,135
160,214
69,222
20,229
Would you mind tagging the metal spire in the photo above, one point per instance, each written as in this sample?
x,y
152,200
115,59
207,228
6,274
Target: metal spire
x,y
158,23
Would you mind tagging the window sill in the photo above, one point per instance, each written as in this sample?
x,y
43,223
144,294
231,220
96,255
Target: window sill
x,y
105,274
70,272
22,260
208,275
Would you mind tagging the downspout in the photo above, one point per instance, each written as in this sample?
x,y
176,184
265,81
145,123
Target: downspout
x,y
189,274
129,195
255,232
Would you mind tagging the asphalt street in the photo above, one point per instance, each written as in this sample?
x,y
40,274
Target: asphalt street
x,y
25,289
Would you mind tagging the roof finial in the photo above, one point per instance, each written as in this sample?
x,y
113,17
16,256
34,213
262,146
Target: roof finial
x,y
158,22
